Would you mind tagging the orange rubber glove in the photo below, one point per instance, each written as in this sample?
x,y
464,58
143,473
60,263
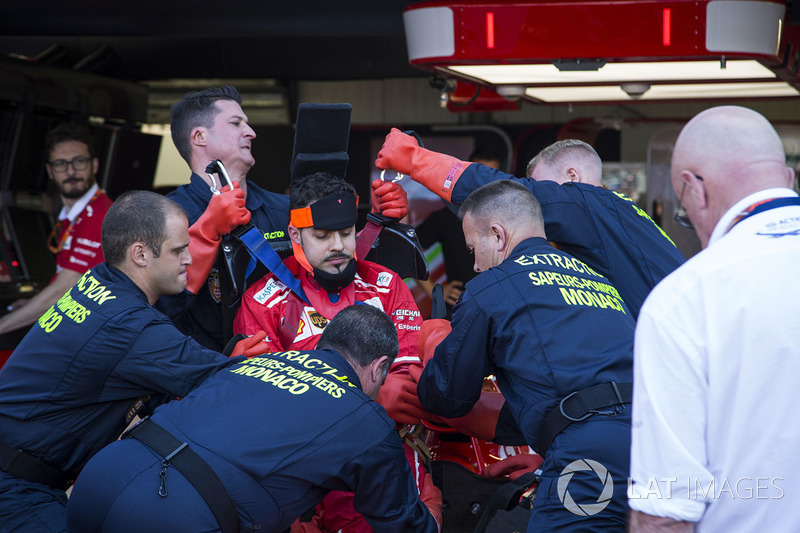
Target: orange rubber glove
x,y
225,211
431,496
389,199
251,346
398,395
514,466
312,526
432,333
481,421
438,172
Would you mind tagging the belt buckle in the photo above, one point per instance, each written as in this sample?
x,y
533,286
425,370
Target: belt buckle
x,y
565,415
618,409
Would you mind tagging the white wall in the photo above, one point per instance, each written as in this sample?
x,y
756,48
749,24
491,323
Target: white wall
x,y
413,101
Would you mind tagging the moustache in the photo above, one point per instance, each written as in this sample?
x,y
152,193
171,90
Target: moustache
x,y
337,255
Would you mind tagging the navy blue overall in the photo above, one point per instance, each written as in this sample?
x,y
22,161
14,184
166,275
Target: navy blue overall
x,y
546,325
200,316
602,228
78,377
280,431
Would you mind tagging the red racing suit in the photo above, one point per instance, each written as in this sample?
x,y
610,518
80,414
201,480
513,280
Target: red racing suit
x,y
264,307
79,233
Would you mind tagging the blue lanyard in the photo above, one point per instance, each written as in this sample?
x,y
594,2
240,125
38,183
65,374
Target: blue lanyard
x,y
765,205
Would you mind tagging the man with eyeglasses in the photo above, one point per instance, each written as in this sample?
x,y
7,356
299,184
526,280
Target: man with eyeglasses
x,y
72,165
716,357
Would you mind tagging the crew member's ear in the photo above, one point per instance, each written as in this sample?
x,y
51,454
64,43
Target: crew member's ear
x,y
499,236
378,369
573,174
139,254
790,177
199,136
294,234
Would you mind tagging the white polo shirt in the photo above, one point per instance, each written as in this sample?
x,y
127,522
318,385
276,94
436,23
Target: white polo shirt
x,y
716,420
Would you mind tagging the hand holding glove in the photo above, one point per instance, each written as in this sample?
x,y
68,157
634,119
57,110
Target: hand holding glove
x,y
480,422
438,172
225,211
389,199
397,152
514,466
251,346
432,333
398,395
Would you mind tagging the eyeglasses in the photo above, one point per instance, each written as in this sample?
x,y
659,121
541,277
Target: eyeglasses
x,y
681,217
78,163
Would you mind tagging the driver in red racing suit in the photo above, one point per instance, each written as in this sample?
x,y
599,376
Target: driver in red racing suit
x,y
322,229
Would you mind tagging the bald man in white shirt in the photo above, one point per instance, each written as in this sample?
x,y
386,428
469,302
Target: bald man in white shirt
x,y
716,355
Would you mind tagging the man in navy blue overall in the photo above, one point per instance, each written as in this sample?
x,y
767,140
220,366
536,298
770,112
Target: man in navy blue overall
x,y
605,229
94,359
279,431
546,325
209,125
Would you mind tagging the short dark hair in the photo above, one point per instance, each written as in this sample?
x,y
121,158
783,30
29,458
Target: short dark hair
x,y
197,109
505,198
308,189
361,333
68,132
485,154
136,216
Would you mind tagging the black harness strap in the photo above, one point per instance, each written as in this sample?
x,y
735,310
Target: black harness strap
x,y
24,465
193,468
582,404
506,498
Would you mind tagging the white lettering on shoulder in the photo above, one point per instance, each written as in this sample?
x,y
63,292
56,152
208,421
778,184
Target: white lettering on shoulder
x,y
270,289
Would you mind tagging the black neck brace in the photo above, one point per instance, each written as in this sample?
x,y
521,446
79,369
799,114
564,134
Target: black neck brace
x,y
336,282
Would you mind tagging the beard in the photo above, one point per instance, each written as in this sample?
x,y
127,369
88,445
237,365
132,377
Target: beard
x,y
342,266
74,188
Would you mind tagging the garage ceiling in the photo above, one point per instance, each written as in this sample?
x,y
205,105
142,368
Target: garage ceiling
x,y
156,40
